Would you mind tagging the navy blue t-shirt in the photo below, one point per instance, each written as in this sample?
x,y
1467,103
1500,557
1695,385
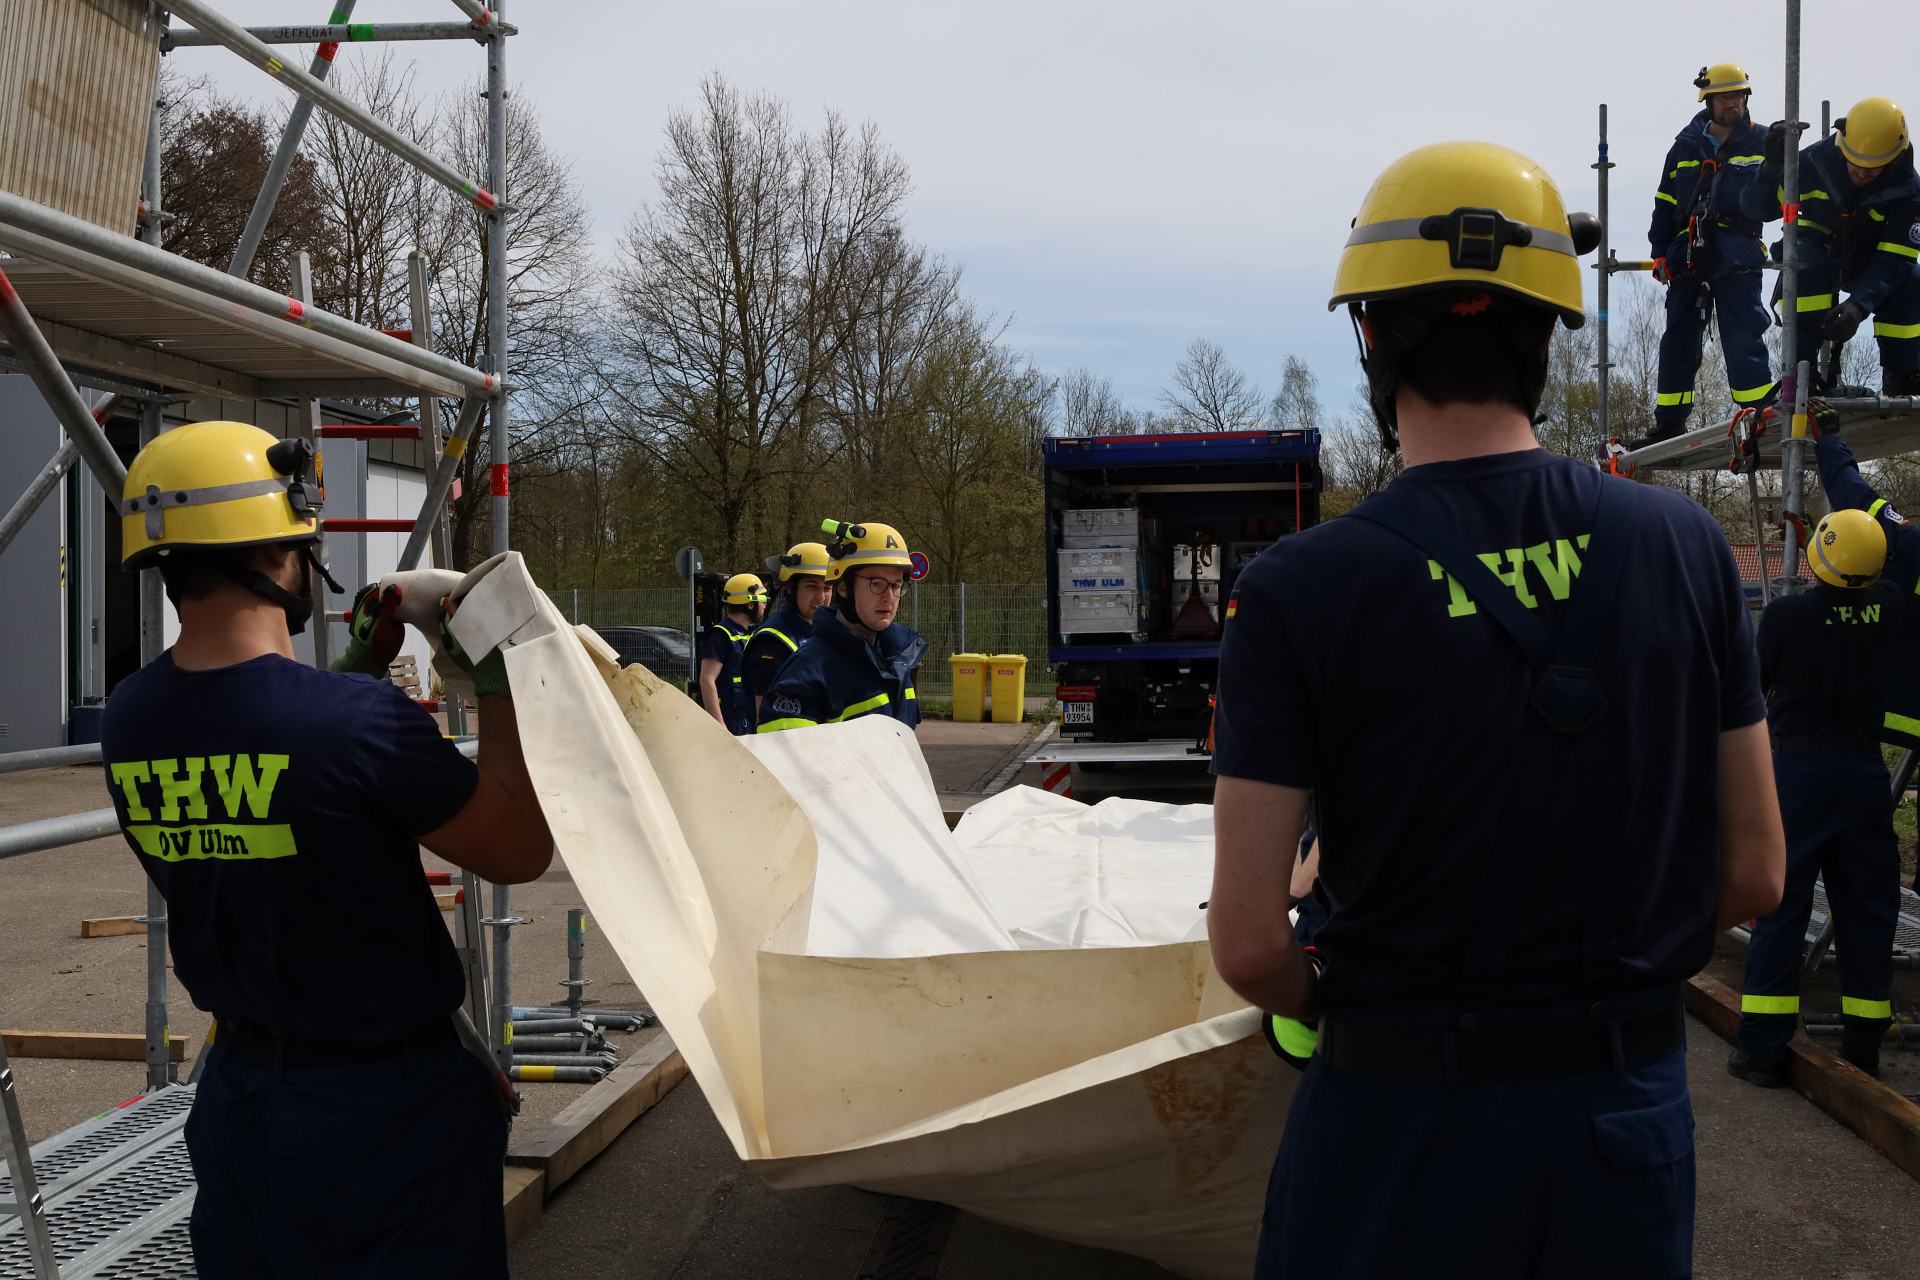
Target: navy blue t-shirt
x,y
279,809
726,643
1352,666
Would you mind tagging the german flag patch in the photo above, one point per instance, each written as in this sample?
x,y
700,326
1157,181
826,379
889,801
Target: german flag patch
x,y
1233,605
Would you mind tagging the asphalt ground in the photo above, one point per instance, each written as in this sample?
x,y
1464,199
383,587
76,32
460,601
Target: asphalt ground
x,y
1784,1191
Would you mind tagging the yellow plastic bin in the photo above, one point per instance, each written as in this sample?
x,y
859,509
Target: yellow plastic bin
x,y
1009,688
969,686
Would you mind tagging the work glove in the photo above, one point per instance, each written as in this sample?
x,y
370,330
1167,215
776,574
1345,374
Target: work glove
x,y
1774,152
1293,1040
1843,322
374,632
489,674
1661,272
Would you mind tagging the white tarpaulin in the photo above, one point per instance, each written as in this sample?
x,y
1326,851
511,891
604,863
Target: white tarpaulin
x,y
865,998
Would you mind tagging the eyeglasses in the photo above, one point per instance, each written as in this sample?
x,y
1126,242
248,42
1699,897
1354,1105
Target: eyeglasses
x,y
882,587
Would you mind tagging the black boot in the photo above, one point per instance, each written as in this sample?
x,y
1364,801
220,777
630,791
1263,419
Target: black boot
x,y
1768,1074
1860,1042
1900,384
1661,431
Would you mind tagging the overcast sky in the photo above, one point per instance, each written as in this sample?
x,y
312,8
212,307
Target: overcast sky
x,y
1120,177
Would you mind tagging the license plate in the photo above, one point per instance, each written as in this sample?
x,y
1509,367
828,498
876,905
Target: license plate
x,y
1076,712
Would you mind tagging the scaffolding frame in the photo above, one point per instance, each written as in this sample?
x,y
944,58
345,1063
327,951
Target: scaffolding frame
x,y
1742,443
57,255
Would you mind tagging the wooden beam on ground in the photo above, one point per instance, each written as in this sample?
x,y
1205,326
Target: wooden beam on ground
x,y
1889,1122
589,1124
98,1046
523,1193
111,927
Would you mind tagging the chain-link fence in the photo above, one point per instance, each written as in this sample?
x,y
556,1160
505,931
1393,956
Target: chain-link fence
x,y
955,617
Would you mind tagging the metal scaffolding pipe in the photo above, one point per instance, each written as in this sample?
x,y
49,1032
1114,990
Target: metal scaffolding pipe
x,y
50,758
337,33
235,37
47,235
296,128
440,537
35,493
74,414
471,410
1602,366
483,17
1793,391
53,833
502,919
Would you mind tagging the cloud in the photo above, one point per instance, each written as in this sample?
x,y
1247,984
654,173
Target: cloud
x,y
1122,177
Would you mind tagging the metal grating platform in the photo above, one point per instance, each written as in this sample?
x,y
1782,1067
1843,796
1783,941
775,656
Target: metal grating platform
x,y
118,1191
1906,929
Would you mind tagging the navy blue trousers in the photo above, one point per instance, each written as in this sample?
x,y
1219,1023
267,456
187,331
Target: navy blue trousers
x,y
1838,811
363,1172
1743,340
1588,1176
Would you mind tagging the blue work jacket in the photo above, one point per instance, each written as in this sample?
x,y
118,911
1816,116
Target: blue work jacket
x,y
1868,233
836,675
772,643
1699,179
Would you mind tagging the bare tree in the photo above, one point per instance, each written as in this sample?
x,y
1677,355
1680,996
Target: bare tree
x,y
1353,461
371,196
551,329
1209,393
735,290
213,159
1089,406
1296,405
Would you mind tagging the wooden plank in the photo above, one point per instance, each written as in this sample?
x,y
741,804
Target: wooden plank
x,y
523,1193
1889,1123
445,900
111,927
98,1046
586,1126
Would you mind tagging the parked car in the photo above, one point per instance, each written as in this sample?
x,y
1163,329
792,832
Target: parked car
x,y
665,651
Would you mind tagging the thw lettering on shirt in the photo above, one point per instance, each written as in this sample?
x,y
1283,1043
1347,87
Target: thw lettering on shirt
x,y
1545,568
194,808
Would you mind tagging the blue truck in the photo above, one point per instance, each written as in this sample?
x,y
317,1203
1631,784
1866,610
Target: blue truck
x,y
1145,535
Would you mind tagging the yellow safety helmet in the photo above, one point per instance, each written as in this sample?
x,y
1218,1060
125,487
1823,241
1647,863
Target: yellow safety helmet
x,y
1873,134
1722,77
1463,214
1848,549
805,559
217,484
744,588
861,546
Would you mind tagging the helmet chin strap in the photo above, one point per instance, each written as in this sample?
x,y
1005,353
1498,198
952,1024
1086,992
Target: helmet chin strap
x,y
297,607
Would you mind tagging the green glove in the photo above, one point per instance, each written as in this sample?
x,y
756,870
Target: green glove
x,y
374,633
489,675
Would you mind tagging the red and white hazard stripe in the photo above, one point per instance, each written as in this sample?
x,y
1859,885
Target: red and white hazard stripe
x,y
1057,778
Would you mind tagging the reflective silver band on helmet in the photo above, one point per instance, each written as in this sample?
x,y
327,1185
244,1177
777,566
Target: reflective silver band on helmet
x,y
895,556
1409,229
1870,162
156,502
1730,86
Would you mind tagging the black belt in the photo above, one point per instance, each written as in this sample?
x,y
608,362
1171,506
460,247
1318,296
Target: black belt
x,y
1863,743
254,1045
1469,1055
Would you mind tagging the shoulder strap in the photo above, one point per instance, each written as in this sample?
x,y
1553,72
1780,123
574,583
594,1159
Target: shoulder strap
x,y
1394,510
1565,691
